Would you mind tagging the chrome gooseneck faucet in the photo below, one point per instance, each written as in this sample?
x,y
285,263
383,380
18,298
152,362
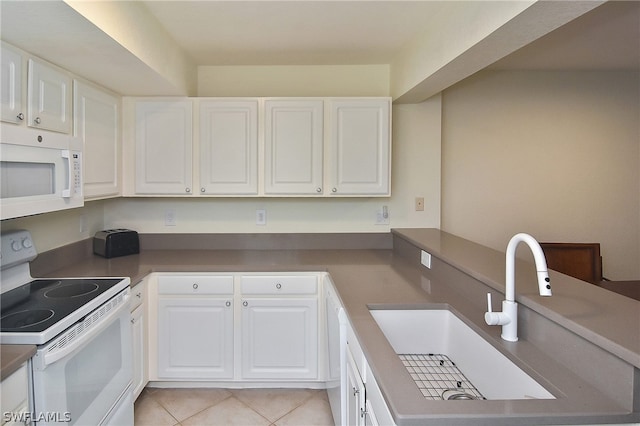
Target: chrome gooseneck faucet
x,y
508,318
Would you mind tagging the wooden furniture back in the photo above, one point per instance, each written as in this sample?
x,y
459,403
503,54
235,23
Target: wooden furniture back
x,y
579,260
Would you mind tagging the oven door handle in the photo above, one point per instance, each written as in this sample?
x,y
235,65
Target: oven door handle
x,y
56,355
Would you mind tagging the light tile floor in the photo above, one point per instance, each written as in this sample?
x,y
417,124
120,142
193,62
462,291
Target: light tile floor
x,y
250,407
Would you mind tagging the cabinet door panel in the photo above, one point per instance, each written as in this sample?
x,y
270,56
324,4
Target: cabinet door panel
x,y
164,148
11,85
293,147
229,147
280,339
138,325
195,338
360,147
49,93
96,121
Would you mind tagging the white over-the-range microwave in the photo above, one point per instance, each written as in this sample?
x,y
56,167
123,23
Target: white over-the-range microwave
x,y
40,171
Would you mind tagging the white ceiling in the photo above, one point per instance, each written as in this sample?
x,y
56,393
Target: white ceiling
x,y
373,32
301,32
294,32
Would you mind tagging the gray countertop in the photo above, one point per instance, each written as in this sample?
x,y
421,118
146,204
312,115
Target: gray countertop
x,y
388,278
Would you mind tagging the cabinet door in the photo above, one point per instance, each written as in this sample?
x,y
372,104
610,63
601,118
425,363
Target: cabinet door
x,y
195,338
360,147
96,118
355,405
11,89
229,147
164,147
49,98
293,146
139,354
279,338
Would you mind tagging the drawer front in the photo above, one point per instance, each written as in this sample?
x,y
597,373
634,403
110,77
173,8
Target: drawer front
x,y
279,284
138,294
195,284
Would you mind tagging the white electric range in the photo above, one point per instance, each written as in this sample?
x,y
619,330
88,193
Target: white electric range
x,y
82,371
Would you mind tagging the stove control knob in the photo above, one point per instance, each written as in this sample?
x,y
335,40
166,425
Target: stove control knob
x,y
27,243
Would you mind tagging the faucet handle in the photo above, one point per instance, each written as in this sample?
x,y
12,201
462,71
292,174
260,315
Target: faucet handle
x,y
495,318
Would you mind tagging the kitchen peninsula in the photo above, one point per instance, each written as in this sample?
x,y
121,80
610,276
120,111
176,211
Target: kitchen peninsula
x,y
601,385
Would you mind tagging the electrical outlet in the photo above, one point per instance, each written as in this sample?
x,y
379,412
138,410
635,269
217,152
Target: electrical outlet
x,y
425,259
419,204
261,217
382,216
169,218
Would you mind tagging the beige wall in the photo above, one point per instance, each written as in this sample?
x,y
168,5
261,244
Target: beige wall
x,y
555,154
56,229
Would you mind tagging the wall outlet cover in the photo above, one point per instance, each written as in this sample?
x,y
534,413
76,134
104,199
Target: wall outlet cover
x,y
425,259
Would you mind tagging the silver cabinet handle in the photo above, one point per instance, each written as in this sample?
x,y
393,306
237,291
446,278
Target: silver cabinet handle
x,y
228,304
195,286
334,189
133,321
187,190
139,295
278,286
20,116
37,120
203,189
245,303
318,190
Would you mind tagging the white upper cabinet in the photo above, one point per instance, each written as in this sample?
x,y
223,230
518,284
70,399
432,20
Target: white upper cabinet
x,y
49,98
359,147
228,147
12,87
293,147
163,159
96,121
271,147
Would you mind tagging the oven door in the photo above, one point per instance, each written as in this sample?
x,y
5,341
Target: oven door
x,y
80,376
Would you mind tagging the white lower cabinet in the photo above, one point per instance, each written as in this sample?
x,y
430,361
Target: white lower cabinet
x,y
196,338
139,337
236,328
279,338
364,403
14,397
195,327
356,394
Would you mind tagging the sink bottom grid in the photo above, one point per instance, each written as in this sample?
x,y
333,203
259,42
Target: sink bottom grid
x,y
436,373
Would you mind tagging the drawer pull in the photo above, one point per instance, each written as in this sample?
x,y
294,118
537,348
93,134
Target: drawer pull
x,y
228,303
195,286
245,303
278,286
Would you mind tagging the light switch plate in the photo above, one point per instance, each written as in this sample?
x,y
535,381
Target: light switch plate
x,y
425,259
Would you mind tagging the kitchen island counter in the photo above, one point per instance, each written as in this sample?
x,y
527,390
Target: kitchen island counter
x,y
597,323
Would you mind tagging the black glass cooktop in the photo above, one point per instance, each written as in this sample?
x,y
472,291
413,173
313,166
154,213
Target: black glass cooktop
x,y
38,305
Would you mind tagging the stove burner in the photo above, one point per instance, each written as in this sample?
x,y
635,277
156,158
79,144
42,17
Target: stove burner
x,y
71,290
22,319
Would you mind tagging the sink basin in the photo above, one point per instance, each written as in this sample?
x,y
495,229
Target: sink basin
x,y
439,331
